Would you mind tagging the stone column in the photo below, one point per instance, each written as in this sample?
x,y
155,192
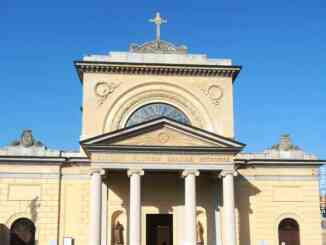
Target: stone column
x,y
228,207
217,214
104,216
135,206
96,203
190,206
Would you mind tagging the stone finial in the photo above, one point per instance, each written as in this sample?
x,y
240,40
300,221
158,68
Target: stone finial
x,y
285,149
27,145
27,140
285,144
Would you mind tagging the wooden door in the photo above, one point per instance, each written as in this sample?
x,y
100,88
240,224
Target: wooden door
x,y
288,232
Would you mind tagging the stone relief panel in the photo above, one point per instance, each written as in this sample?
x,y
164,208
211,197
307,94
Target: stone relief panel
x,y
103,89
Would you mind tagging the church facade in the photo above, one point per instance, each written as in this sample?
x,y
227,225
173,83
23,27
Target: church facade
x,y
158,164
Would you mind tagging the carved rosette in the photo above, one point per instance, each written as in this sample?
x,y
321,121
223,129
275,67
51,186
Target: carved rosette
x,y
164,137
214,93
103,89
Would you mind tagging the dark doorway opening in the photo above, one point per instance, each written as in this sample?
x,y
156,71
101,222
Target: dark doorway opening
x,y
288,232
22,232
159,229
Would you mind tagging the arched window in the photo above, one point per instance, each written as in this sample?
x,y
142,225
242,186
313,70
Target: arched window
x,y
22,232
288,232
154,111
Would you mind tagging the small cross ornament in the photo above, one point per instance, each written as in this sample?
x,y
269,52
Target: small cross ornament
x,y
158,21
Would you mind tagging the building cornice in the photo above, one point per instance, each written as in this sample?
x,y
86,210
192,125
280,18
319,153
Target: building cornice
x,y
156,69
42,160
32,160
279,162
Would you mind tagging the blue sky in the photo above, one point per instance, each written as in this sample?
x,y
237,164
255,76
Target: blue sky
x,y
281,45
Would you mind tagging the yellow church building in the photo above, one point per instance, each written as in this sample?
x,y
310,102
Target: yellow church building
x,y
158,164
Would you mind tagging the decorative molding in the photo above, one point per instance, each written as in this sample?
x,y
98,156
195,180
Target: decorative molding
x,y
214,93
157,69
103,89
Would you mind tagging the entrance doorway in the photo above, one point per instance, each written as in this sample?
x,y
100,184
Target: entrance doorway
x,y
288,232
22,232
159,229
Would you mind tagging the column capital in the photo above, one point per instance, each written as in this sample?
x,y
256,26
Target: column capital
x,y
99,171
224,173
187,172
136,171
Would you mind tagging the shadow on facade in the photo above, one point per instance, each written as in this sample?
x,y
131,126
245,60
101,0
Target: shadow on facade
x,y
33,206
162,192
4,234
245,190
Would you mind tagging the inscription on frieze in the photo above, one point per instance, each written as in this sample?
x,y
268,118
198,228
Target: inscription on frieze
x,y
162,158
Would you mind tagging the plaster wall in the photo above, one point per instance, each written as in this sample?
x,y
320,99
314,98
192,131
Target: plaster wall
x,y
29,192
265,196
192,95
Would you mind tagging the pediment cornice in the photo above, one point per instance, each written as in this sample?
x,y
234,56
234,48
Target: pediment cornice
x,y
162,135
156,69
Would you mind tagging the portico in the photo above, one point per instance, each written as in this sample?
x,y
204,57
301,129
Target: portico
x,y
180,156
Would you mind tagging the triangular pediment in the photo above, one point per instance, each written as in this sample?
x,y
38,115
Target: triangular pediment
x,y
166,136
162,133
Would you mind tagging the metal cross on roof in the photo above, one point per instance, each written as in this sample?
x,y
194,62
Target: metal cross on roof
x,y
158,21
